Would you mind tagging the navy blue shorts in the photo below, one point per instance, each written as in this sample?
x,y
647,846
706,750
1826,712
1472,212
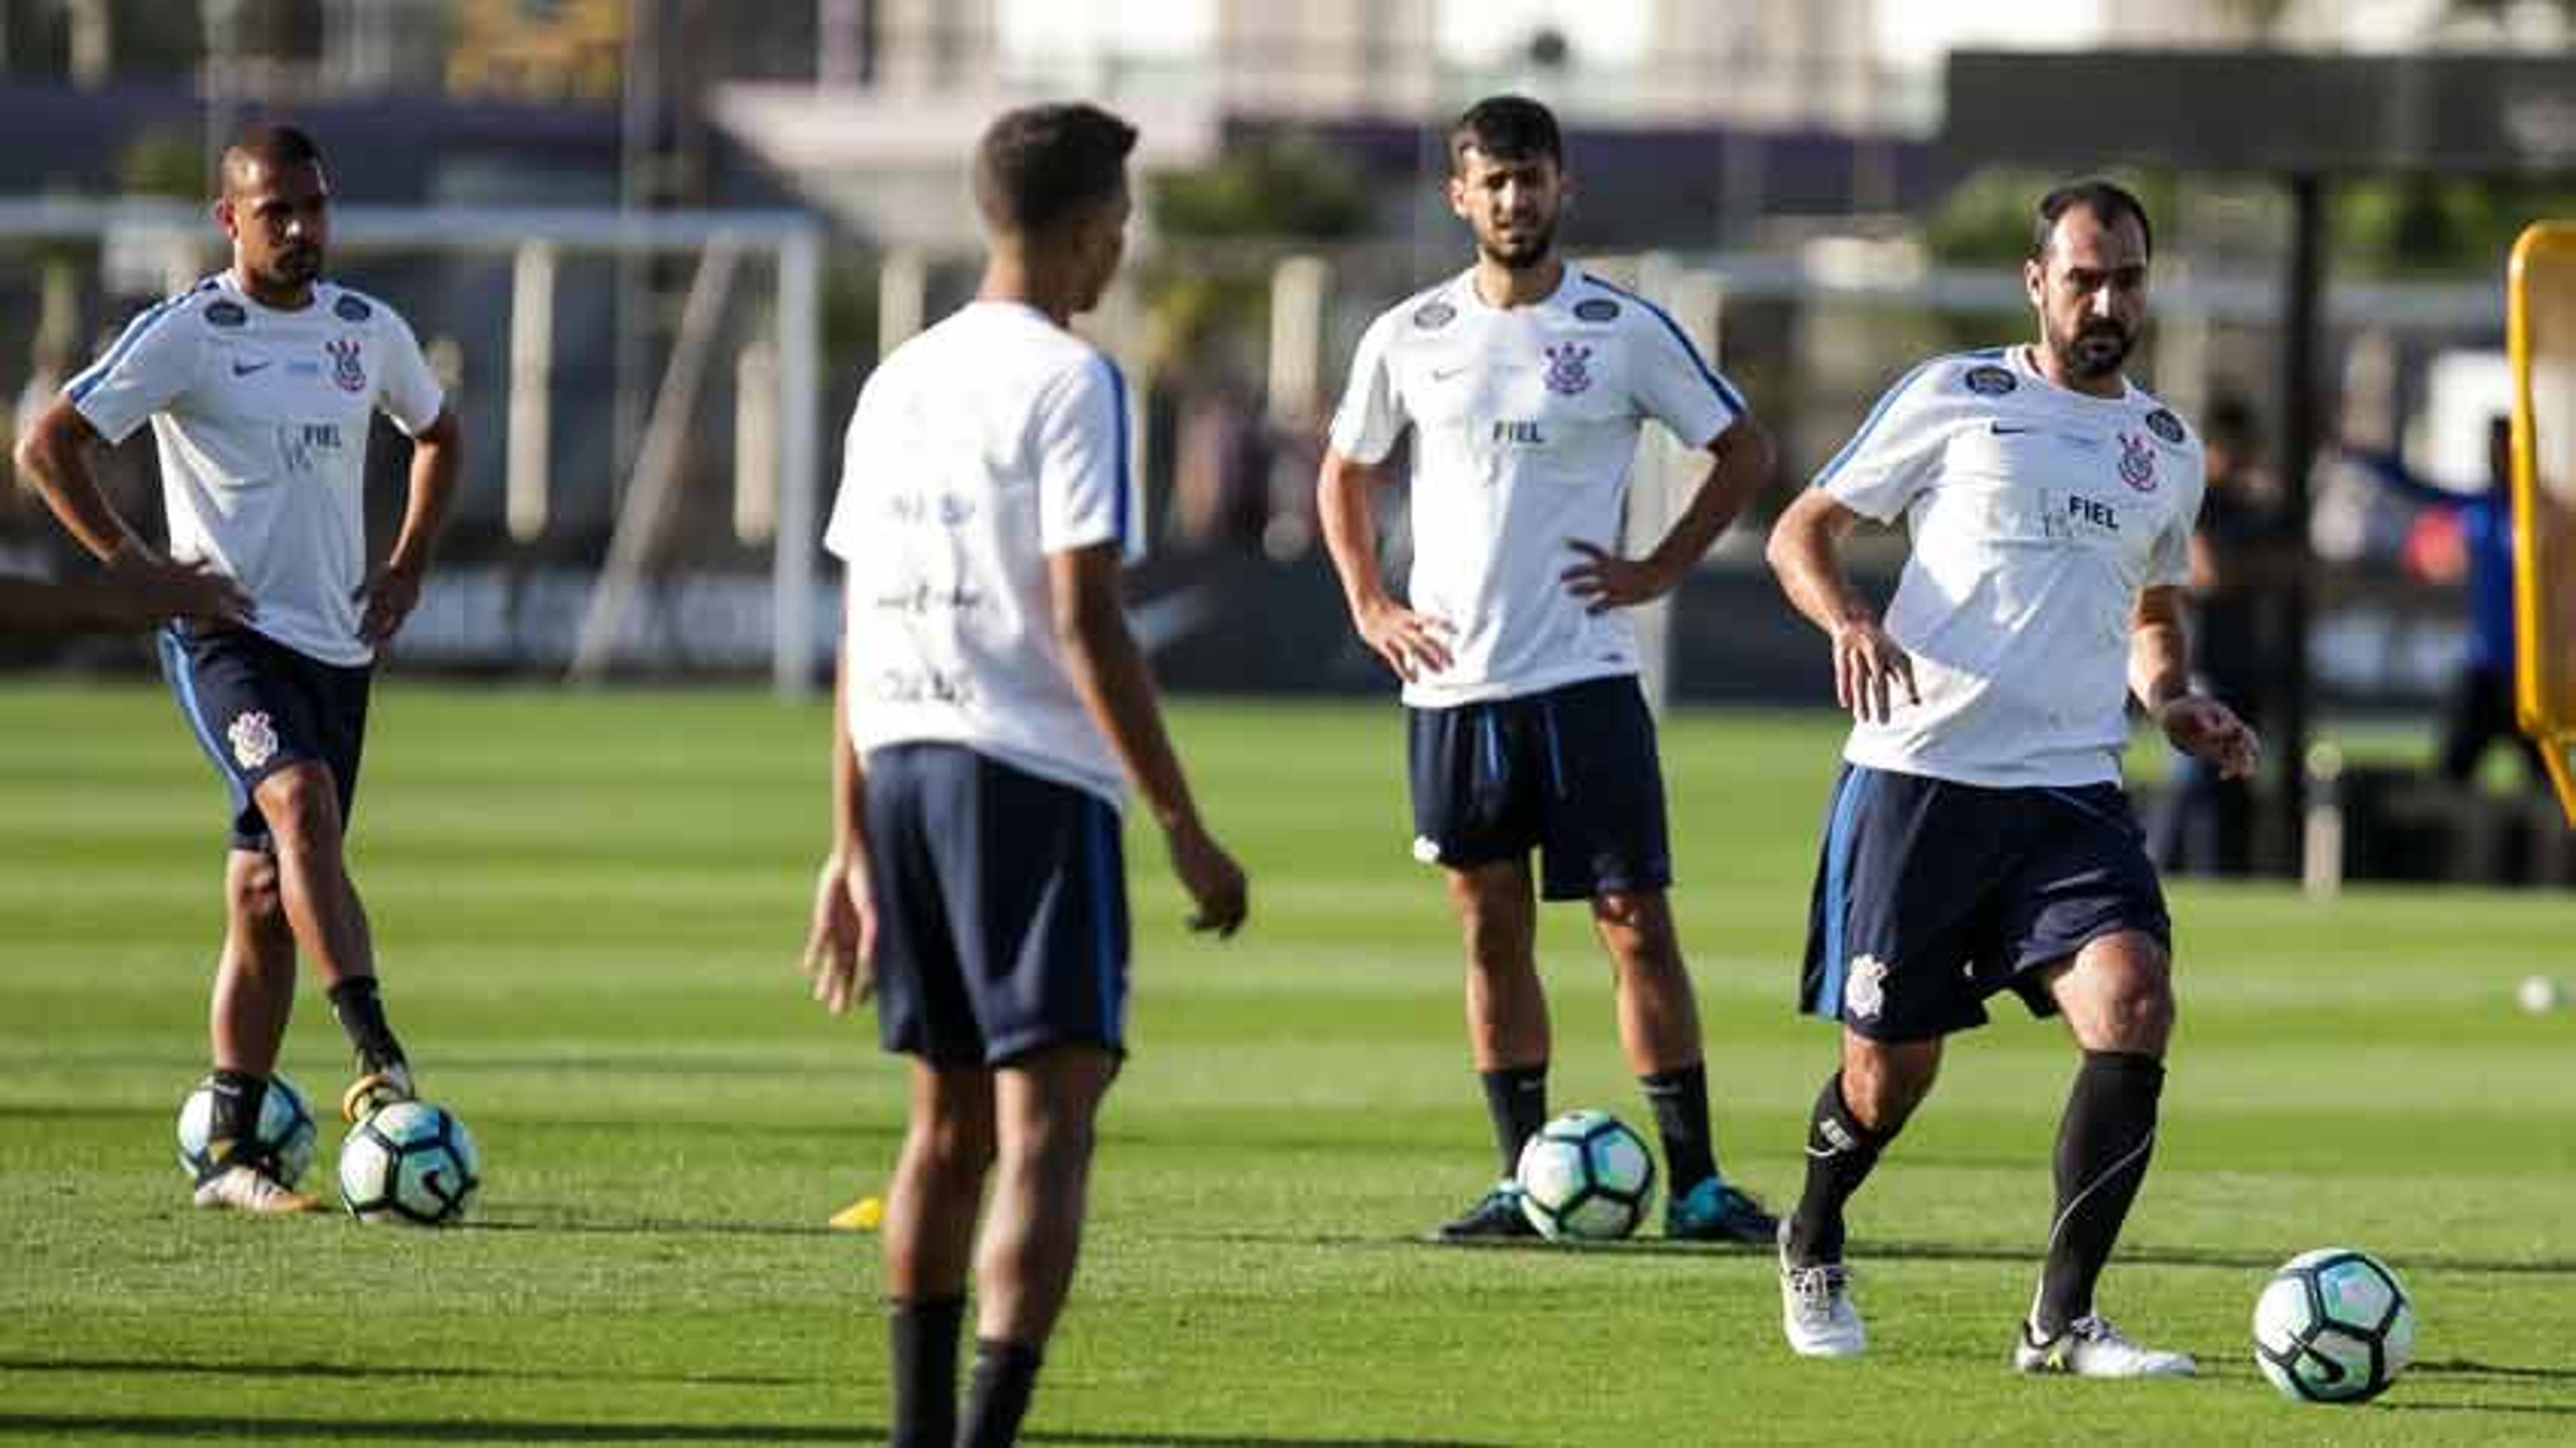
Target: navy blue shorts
x,y
257,706
1571,772
1001,908
1933,895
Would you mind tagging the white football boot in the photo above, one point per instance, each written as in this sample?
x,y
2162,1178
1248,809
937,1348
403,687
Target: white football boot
x,y
2092,1348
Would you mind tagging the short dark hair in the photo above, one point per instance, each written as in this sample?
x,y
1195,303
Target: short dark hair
x,y
266,144
2108,201
1509,128
1039,164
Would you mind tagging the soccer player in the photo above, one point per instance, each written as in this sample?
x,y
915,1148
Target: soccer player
x,y
989,697
1524,381
1978,840
260,383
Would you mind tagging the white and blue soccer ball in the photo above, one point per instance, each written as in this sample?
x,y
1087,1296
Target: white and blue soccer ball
x,y
284,1130
2333,1326
1586,1178
412,1162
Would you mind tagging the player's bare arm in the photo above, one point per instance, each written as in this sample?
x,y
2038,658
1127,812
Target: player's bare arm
x,y
1118,688
2160,677
840,946
1805,552
53,455
390,594
1411,643
1740,463
136,586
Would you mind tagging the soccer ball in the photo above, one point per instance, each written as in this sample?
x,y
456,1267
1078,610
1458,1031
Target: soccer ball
x,y
2333,1326
284,1130
411,1162
1585,1177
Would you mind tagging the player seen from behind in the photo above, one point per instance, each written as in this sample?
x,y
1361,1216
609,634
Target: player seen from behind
x,y
989,699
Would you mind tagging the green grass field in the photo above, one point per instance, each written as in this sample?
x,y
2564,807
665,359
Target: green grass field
x,y
589,908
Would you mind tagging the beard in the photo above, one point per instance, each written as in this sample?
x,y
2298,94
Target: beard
x,y
2094,350
1522,251
294,267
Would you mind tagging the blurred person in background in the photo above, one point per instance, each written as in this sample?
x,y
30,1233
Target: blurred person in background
x,y
2479,711
2243,546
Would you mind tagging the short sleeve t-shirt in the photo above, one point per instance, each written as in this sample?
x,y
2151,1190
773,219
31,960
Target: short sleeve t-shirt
x,y
977,448
260,418
2036,514
1525,423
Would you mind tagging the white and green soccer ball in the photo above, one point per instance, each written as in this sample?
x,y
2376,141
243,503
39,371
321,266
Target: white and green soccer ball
x,y
2333,1326
1586,1178
413,1163
284,1130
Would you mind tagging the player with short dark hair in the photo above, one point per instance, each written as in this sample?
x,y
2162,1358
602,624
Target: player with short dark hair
x,y
261,384
1524,382
1977,840
989,701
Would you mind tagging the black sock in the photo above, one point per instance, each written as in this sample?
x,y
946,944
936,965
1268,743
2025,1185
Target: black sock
x,y
1840,1152
1680,1099
233,1124
997,1397
2102,1149
1516,1102
362,1017
924,1337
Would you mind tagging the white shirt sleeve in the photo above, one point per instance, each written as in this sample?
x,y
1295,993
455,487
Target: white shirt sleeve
x,y
1897,451
151,366
406,390
1371,416
1675,385
841,532
1082,458
2169,565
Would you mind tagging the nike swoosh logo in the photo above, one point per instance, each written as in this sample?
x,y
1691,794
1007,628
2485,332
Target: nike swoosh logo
x,y
1444,374
244,369
2004,430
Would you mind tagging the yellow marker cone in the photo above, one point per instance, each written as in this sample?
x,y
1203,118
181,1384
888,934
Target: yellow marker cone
x,y
862,1215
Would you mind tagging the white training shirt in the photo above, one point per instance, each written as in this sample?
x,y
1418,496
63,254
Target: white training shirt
x,y
2037,514
260,418
1525,423
978,448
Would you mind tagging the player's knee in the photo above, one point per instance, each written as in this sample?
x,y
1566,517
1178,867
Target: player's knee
x,y
956,1149
255,898
302,807
2139,1015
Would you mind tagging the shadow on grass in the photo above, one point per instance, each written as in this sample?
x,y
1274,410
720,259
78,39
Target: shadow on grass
x,y
532,1219
239,1368
1867,1251
2468,1368
136,1426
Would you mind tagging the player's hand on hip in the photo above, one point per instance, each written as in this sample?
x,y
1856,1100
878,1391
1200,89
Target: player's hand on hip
x,y
1604,580
1219,894
157,588
841,946
1868,670
2208,730
389,595
1412,644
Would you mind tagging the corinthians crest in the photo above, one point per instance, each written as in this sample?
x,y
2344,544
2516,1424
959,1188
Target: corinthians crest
x,y
344,364
253,738
1569,368
2137,463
